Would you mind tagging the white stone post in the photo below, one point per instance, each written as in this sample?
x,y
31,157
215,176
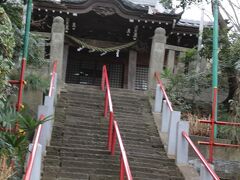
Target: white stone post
x,y
172,133
204,173
182,144
42,110
166,113
158,100
37,163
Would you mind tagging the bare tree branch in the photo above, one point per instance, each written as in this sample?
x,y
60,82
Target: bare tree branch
x,y
233,20
235,14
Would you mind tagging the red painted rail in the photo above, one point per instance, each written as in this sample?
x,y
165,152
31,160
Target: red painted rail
x,y
53,78
21,84
157,76
34,151
113,129
204,161
220,144
39,129
211,142
224,123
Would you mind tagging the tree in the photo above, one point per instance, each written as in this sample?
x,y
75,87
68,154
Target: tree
x,y
11,15
7,44
228,39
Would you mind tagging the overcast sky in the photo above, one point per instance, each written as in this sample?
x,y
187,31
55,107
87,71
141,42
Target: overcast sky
x,y
194,12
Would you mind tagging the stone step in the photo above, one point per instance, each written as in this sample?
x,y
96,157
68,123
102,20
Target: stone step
x,y
79,140
100,94
79,99
56,160
63,175
99,169
81,88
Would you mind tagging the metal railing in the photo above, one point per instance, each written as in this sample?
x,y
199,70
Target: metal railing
x,y
113,129
176,129
157,76
33,152
21,84
204,161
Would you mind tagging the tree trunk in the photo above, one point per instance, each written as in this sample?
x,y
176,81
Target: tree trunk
x,y
232,87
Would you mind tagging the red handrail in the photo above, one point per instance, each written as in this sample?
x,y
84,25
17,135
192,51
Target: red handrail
x,y
220,144
157,76
224,123
105,81
34,151
123,154
204,161
53,78
113,129
39,129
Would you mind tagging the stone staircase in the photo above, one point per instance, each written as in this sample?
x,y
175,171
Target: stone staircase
x,y
78,147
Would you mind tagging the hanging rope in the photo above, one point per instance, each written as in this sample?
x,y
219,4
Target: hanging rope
x,y
92,48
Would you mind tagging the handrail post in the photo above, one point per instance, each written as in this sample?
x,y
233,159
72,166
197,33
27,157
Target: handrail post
x,y
204,173
110,130
172,133
106,104
122,170
158,100
35,172
114,137
182,144
166,114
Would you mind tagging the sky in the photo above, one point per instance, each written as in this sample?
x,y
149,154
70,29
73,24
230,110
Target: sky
x,y
194,11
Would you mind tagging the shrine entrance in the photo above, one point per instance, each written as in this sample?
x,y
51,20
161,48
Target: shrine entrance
x,y
84,67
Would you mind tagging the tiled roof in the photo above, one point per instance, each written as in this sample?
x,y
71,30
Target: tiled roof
x,y
137,2
144,2
192,23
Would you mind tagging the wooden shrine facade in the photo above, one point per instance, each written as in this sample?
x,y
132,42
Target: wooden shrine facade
x,y
113,32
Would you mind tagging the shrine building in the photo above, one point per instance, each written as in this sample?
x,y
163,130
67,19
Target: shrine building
x,y
131,37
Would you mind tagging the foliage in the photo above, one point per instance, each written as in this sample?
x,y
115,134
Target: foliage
x,y
7,44
5,88
181,3
197,128
230,132
6,170
14,12
28,125
11,45
13,146
8,117
5,148
36,82
36,51
180,87
190,55
7,41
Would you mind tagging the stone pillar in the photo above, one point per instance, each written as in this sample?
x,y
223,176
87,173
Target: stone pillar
x,y
132,68
65,59
171,60
57,46
157,56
